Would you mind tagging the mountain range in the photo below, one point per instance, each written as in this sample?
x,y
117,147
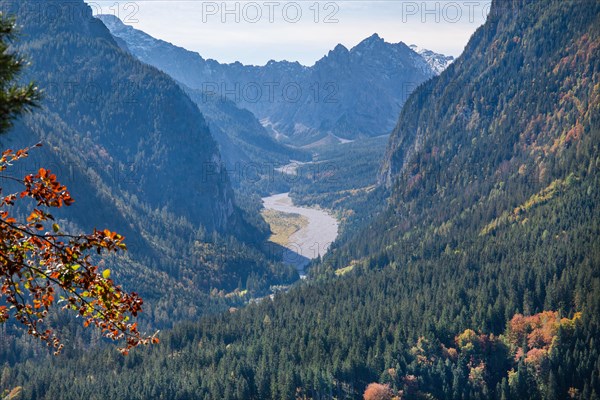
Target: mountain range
x,y
477,278
345,94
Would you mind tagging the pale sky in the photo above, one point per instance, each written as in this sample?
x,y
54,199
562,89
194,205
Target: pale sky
x,y
254,32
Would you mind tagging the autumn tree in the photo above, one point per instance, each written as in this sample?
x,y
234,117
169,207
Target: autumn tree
x,y
377,391
41,266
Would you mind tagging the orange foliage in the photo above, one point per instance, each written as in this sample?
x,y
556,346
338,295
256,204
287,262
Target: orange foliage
x,y
536,356
575,132
450,353
377,391
538,332
39,263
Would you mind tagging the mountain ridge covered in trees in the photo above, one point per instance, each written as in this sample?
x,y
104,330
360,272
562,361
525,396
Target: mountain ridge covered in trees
x,y
138,157
479,280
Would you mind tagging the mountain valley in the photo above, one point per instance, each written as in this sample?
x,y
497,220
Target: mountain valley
x,y
408,225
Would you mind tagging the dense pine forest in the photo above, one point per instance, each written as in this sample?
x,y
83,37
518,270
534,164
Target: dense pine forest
x,y
468,269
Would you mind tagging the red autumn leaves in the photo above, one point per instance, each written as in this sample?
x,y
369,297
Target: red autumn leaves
x,y
39,270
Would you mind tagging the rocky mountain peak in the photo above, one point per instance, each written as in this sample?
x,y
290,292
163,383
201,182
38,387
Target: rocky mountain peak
x,y
437,61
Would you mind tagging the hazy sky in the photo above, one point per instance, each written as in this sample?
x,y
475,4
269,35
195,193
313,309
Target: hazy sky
x,y
253,32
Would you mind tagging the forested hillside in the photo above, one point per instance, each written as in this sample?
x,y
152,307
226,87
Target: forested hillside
x,y
139,158
247,148
479,280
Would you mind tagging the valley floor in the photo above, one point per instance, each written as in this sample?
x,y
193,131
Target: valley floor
x,y
309,239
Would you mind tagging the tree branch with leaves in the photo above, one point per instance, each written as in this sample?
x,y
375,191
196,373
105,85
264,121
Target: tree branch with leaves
x,y
40,265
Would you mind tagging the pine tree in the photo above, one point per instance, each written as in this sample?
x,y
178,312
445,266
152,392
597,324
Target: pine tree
x,y
553,391
15,99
